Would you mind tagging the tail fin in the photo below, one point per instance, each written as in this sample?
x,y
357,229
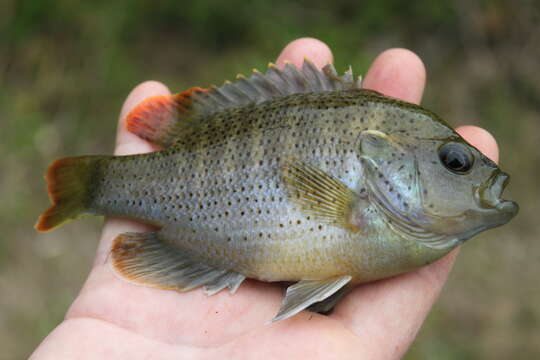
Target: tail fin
x,y
70,190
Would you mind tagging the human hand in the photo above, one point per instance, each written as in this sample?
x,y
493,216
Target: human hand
x,y
115,319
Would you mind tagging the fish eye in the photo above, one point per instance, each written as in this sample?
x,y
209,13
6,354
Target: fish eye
x,y
456,157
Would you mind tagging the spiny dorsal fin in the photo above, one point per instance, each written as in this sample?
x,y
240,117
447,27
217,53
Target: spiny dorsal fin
x,y
163,119
320,194
275,83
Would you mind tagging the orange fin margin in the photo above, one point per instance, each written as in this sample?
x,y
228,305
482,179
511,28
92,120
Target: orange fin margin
x,y
69,187
160,119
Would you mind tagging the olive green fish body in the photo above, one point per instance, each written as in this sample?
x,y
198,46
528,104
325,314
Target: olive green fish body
x,y
220,193
294,175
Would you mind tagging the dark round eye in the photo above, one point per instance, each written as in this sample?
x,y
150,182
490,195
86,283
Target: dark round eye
x,y
456,157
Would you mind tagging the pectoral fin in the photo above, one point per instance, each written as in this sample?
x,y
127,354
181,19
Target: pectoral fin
x,y
307,292
319,194
144,259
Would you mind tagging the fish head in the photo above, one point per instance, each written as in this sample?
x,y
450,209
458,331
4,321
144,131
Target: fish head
x,y
440,191
463,188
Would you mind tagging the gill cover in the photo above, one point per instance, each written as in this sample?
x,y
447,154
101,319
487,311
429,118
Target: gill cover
x,y
393,184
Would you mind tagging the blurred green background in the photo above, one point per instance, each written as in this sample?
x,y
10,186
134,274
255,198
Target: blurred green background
x,y
66,67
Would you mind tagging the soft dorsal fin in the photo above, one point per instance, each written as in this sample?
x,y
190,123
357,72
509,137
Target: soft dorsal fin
x,y
162,119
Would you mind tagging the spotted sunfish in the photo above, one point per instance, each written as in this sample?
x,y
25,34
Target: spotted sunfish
x,y
296,175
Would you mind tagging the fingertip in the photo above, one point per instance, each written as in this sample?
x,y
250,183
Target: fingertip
x,y
481,139
126,142
399,73
313,49
396,305
141,92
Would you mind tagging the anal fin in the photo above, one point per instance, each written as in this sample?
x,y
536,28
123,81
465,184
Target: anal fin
x,y
307,292
230,280
144,259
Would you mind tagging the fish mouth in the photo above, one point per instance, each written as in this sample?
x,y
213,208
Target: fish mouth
x,y
489,195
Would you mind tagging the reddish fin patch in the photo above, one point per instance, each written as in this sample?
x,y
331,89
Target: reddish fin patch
x,y
160,119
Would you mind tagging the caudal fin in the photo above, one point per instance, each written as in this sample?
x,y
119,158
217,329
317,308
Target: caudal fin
x,y
70,190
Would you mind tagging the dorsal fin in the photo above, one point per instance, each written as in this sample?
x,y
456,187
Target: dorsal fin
x,y
161,119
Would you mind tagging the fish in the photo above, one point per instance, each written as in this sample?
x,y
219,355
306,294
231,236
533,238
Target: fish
x,y
295,175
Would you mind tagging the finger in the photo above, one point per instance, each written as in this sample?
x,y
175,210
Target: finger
x,y
128,143
398,73
315,50
387,314
481,139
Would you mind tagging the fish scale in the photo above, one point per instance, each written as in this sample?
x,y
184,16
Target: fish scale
x,y
294,175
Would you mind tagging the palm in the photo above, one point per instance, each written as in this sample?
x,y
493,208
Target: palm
x,y
113,318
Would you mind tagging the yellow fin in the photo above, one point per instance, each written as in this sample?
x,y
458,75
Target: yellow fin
x,y
320,194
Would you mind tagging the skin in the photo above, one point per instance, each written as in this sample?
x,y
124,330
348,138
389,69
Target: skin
x,y
112,318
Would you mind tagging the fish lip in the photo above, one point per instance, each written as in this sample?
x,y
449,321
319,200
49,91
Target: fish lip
x,y
489,195
508,206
